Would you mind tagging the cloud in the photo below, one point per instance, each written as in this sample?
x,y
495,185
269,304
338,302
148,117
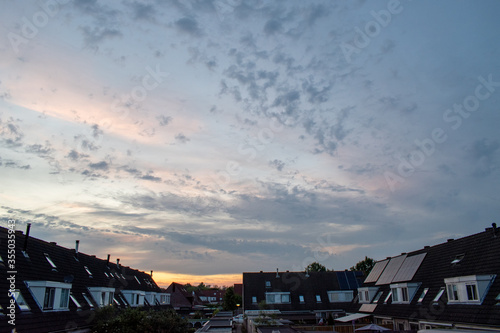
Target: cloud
x,y
11,133
143,11
96,35
182,138
164,120
150,178
76,156
484,154
272,26
39,149
103,165
16,165
188,25
279,165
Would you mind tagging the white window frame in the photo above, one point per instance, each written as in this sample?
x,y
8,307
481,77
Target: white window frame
x,y
134,297
101,295
340,296
403,293
457,288
278,298
366,294
38,290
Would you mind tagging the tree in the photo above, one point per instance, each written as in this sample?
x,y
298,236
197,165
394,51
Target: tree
x,y
315,267
230,300
364,265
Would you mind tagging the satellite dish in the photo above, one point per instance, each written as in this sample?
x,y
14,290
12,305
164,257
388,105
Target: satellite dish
x,y
68,278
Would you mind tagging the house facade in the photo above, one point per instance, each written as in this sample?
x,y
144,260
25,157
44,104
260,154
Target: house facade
x,y
53,288
449,285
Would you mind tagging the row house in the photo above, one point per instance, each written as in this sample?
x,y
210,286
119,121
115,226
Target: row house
x,y
453,285
322,294
54,288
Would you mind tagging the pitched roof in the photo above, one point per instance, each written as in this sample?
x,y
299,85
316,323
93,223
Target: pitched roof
x,y
476,254
50,262
300,284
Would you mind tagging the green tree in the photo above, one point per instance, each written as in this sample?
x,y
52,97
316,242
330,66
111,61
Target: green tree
x,y
315,267
364,265
230,300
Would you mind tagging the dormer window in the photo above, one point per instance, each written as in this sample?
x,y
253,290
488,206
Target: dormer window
x,y
403,293
468,289
50,295
54,267
103,296
366,294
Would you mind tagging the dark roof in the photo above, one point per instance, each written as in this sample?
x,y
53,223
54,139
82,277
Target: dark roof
x,y
479,254
300,284
80,270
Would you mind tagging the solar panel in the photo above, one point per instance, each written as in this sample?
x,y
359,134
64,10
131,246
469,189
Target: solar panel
x,y
391,270
343,284
409,268
376,271
351,279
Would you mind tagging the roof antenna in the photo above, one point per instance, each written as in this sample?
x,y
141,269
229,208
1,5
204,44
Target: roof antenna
x,y
494,225
307,272
277,274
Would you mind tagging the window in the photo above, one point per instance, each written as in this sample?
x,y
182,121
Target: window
x,y
87,299
424,292
469,289
395,295
403,293
471,292
439,294
497,299
377,297
366,294
78,305
318,298
21,303
268,284
63,302
277,298
111,296
340,296
48,301
457,259
88,271
101,295
301,298
137,279
50,261
387,297
103,299
452,292
254,299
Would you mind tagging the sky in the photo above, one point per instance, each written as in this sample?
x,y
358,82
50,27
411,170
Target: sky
x,y
202,139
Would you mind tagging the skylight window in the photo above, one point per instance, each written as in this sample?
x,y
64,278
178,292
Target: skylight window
x,y
268,284
301,298
377,297
88,300
50,261
387,297
424,292
137,279
88,271
457,259
497,299
78,305
1,260
439,294
21,303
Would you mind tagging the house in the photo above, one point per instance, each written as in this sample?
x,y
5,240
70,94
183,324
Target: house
x,y
53,288
306,295
449,285
182,300
211,296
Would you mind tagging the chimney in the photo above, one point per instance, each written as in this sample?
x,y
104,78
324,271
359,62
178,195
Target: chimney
x,y
77,245
277,274
494,226
151,273
107,260
28,227
118,262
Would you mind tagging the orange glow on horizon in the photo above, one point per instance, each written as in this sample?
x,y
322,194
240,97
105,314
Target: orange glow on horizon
x,y
164,279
